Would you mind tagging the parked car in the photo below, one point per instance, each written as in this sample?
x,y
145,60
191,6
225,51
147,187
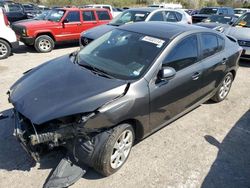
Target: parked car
x,y
14,11
215,21
119,89
136,15
59,25
113,10
8,38
208,11
241,31
31,10
240,11
41,16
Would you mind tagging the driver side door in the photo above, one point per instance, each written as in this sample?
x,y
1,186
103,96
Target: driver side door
x,y
168,98
71,26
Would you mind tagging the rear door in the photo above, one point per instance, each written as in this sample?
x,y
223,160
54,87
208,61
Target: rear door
x,y
158,16
170,98
103,17
214,60
71,25
89,20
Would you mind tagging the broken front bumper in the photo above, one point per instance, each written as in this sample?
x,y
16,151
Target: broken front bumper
x,y
19,131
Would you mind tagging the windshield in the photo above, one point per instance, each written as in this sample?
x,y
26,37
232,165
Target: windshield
x,y
55,15
129,17
42,16
243,21
28,7
14,8
122,54
219,19
239,11
208,11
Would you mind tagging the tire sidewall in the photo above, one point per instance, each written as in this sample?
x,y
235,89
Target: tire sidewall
x,y
37,41
108,149
8,49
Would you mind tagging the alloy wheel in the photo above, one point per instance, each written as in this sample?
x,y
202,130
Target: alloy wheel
x,y
121,149
224,89
3,50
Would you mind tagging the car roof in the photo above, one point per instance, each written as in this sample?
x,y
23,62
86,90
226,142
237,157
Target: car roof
x,y
76,8
161,29
148,9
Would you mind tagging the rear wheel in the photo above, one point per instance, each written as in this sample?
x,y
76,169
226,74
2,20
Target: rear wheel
x,y
44,44
224,88
116,150
5,49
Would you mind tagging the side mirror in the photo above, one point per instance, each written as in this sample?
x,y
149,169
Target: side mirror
x,y
167,73
65,21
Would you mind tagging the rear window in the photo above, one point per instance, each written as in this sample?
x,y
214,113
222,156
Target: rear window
x,y
88,16
103,15
208,11
14,8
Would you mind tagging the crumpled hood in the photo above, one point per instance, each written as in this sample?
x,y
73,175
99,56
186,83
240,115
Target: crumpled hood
x,y
60,88
96,32
240,33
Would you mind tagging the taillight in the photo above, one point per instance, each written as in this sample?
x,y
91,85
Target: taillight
x,y
6,21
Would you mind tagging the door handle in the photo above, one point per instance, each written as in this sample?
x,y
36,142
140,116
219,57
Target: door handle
x,y
224,60
196,75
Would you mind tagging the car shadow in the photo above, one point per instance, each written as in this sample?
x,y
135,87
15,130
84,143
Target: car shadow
x,y
13,156
244,63
22,49
231,167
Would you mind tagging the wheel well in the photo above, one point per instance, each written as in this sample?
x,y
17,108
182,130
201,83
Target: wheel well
x,y
46,33
6,41
137,126
234,73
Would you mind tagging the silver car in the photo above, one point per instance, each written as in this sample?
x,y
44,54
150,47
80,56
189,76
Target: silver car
x,y
241,31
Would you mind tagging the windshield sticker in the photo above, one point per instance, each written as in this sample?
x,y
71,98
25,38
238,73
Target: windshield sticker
x,y
153,40
140,15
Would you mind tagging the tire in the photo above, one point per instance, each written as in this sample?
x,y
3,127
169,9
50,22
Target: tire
x,y
5,49
44,44
224,88
104,164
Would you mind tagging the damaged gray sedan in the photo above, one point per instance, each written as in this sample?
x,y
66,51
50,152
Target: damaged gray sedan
x,y
119,89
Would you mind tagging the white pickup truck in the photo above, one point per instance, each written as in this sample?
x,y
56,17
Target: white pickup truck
x,y
112,10
8,38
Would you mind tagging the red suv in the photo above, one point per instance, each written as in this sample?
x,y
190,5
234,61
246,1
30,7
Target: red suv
x,y
59,25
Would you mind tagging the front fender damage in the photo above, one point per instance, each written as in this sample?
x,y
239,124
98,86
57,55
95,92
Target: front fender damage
x,y
84,145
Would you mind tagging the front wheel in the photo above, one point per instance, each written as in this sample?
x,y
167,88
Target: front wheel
x,y
5,49
44,44
116,150
224,88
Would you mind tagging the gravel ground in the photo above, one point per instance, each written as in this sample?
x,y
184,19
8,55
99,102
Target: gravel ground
x,y
208,147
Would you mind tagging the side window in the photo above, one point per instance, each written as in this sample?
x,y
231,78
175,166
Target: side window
x,y
209,44
225,11
220,44
179,16
158,16
88,16
183,54
73,16
103,15
170,17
